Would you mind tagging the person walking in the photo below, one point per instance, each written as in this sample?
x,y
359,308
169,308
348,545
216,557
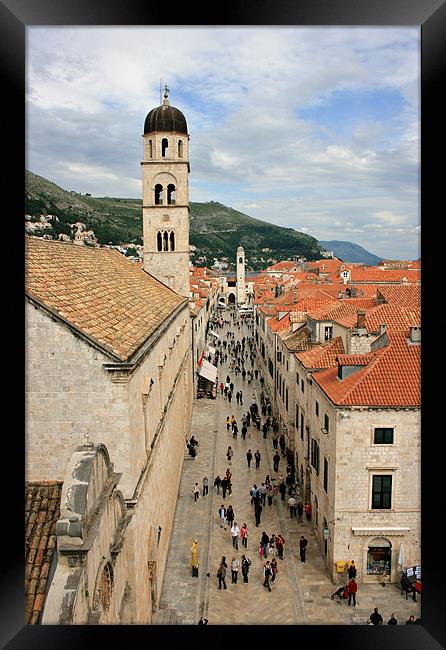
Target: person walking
x,y
196,491
237,397
230,515
244,431
263,491
229,396
275,440
270,494
280,541
249,457
375,617
224,485
244,535
258,457
229,454
267,574
222,515
221,573
300,511
274,570
292,504
205,485
303,548
276,461
246,563
264,540
241,397
352,590
235,566
234,430
217,482
282,444
282,490
228,422
257,512
235,532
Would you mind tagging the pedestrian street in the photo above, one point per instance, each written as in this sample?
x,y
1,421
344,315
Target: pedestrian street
x,y
301,591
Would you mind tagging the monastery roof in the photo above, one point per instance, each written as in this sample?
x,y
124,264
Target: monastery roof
x,y
42,510
391,378
322,356
286,265
98,292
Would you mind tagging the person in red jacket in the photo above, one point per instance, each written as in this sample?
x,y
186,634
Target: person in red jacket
x,y
352,589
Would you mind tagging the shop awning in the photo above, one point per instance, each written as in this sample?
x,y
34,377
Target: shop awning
x,y
208,371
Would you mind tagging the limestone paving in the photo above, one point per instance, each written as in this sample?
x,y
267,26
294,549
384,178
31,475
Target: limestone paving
x,y
301,592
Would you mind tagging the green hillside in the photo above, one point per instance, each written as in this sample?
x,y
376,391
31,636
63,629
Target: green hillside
x,y
215,230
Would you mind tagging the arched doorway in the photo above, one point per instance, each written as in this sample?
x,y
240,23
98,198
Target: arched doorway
x,y
231,299
379,558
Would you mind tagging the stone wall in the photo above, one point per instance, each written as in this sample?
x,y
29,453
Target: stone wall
x,y
68,394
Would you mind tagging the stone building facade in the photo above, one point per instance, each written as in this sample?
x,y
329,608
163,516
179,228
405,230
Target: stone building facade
x,y
108,353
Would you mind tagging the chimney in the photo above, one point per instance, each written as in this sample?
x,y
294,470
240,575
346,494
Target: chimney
x,y
415,334
382,328
360,323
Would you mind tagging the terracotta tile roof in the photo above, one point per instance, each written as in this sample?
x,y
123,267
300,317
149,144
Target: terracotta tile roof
x,y
374,274
333,311
42,510
286,265
403,295
275,324
354,359
392,378
300,340
99,292
395,317
322,356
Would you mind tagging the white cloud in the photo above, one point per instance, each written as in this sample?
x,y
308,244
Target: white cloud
x,y
89,89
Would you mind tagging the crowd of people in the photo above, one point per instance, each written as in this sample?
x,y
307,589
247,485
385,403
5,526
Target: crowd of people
x,y
253,424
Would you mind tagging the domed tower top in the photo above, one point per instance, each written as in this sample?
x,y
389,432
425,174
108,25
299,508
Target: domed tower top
x,y
165,118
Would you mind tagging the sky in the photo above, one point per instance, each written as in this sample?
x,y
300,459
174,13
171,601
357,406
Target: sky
x,y
311,128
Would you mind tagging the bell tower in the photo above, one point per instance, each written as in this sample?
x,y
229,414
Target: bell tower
x,y
241,282
165,196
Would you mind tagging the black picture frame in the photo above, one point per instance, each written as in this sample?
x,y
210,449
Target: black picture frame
x,y
15,16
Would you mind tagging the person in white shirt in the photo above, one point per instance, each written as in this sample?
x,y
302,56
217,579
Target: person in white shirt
x,y
235,531
235,566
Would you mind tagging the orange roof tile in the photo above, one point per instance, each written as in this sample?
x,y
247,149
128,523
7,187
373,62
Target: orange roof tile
x,y
392,378
42,510
403,295
99,292
322,356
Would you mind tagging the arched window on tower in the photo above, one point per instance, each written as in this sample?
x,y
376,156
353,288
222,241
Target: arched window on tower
x,y
150,149
159,241
172,241
171,194
180,148
158,194
165,241
164,147
240,259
